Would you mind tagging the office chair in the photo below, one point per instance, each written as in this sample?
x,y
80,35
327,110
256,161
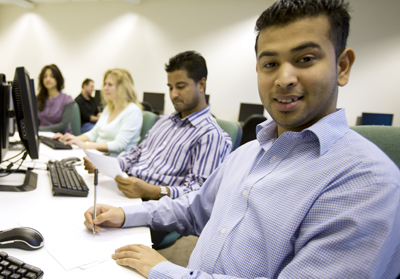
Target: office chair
x,y
249,127
386,138
233,130
147,106
149,118
168,240
76,120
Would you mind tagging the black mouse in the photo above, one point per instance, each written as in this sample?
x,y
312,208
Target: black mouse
x,y
22,237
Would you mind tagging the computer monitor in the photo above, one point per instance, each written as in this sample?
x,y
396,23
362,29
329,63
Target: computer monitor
x,y
98,99
4,105
11,119
208,99
376,119
156,100
24,100
249,109
25,112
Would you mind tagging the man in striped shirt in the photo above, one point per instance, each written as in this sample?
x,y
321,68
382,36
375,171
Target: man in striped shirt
x,y
182,149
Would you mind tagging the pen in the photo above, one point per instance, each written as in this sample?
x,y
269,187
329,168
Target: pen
x,y
96,173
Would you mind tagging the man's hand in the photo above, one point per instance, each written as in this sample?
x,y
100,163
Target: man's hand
x,y
88,165
139,257
106,215
134,187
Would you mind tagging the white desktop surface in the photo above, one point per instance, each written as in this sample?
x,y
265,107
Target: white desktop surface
x,y
15,205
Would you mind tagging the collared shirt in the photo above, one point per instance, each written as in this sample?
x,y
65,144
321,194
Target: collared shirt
x,y
320,203
179,153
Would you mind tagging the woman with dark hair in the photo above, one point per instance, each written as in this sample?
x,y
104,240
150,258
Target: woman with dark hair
x,y
54,107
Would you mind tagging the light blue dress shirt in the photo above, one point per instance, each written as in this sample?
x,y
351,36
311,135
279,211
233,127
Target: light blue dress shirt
x,y
179,153
321,203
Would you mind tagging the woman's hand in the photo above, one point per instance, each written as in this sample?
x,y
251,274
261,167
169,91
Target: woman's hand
x,y
69,139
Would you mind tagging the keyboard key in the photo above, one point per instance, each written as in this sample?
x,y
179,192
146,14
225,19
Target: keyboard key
x,y
13,268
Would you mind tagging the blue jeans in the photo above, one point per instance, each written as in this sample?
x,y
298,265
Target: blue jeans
x,y
87,127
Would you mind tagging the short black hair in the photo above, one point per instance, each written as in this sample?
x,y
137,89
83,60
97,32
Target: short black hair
x,y
283,12
87,81
191,61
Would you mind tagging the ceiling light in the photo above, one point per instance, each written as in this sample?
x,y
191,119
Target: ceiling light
x,y
132,1
23,3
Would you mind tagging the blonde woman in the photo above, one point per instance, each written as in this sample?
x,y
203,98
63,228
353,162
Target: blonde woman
x,y
118,128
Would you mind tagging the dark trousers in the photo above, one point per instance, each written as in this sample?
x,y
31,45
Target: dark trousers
x,y
157,237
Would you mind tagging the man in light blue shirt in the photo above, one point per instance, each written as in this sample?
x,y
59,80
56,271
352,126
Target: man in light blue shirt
x,y
309,198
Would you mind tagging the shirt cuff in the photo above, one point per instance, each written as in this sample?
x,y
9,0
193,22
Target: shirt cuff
x,y
168,270
175,192
135,216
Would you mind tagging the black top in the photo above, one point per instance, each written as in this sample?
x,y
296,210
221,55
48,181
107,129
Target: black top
x,y
86,107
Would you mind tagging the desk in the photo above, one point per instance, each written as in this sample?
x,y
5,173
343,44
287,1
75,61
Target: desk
x,y
14,205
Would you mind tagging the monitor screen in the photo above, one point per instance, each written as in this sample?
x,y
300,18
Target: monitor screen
x,y
11,119
376,119
156,100
98,100
25,112
249,109
208,99
4,106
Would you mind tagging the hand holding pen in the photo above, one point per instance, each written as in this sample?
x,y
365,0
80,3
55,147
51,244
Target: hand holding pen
x,y
96,174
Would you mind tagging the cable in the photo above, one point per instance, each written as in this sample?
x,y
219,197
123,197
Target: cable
x,y
8,170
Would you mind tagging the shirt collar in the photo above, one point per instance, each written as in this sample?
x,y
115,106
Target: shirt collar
x,y
327,130
195,118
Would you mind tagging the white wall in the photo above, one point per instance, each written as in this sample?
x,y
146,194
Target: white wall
x,y
86,39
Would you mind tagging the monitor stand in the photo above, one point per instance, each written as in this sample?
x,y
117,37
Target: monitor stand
x,y
29,183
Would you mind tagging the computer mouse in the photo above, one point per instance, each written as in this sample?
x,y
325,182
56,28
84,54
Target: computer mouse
x,y
70,160
22,237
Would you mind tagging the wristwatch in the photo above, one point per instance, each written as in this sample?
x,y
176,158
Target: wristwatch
x,y
163,192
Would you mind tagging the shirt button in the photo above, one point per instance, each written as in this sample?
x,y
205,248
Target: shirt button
x,y
176,128
244,193
222,231
272,159
165,143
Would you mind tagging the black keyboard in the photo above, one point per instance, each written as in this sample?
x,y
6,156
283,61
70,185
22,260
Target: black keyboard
x,y
55,144
65,180
13,268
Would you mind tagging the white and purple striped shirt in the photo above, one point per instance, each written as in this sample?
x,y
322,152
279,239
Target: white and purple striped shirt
x,y
179,153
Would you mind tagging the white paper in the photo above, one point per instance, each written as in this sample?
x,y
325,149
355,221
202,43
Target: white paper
x,y
106,165
69,241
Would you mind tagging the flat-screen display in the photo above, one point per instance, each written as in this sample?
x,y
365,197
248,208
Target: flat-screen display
x,y
4,105
26,112
156,100
376,119
249,109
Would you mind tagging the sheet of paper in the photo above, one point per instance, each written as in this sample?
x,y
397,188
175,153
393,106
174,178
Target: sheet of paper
x,y
69,241
105,164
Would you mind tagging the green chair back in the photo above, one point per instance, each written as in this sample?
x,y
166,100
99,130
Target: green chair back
x,y
76,120
233,129
149,118
386,138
